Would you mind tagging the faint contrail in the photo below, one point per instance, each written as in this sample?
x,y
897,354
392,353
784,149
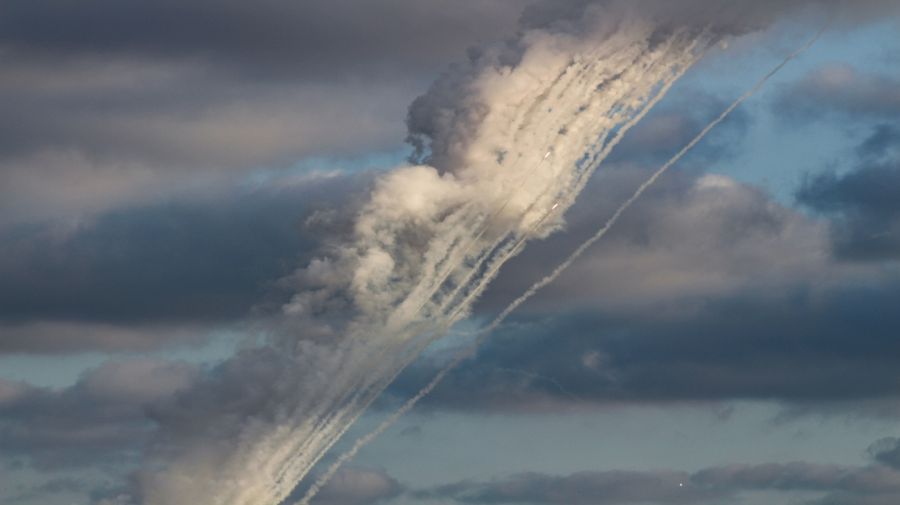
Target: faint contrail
x,y
470,350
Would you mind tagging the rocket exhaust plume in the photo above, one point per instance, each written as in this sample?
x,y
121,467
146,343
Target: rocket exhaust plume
x,y
484,333
432,238
512,137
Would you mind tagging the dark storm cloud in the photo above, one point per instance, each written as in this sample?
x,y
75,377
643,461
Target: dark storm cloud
x,y
99,421
130,276
863,202
846,485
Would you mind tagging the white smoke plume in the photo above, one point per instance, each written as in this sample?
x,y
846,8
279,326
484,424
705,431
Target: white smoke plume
x,y
482,334
508,141
505,144
511,152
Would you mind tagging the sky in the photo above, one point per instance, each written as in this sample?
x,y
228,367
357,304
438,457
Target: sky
x,y
184,187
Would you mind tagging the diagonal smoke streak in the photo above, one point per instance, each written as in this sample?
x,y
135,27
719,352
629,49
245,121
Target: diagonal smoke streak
x,y
414,270
394,366
460,310
485,332
585,174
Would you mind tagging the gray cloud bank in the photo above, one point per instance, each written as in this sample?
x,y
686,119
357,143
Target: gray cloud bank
x,y
825,484
799,481
142,276
104,420
99,421
708,290
106,103
311,39
841,89
864,202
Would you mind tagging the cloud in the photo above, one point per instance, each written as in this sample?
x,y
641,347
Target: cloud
x,y
794,347
709,291
190,107
100,421
107,105
843,90
883,143
732,18
584,488
839,484
673,124
887,452
309,39
355,486
69,337
413,242
118,133
142,276
694,236
50,487
864,202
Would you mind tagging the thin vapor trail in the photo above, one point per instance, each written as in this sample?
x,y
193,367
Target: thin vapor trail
x,y
470,350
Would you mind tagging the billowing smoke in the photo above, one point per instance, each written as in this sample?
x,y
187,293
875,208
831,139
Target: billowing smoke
x,y
512,137
530,292
504,145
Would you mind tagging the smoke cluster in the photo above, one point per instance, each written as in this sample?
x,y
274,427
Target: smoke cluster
x,y
504,142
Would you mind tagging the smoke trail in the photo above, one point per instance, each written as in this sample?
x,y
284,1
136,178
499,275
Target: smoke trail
x,y
459,311
516,246
427,244
470,350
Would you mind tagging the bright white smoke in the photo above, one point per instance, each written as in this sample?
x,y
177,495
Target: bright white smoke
x,y
530,292
523,135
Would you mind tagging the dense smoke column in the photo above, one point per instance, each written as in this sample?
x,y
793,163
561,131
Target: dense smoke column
x,y
514,138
